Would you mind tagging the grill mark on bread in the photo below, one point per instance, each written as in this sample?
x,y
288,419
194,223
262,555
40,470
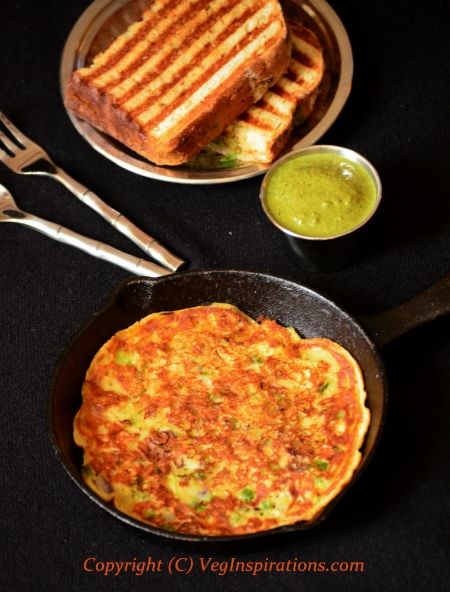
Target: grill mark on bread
x,y
302,58
300,88
210,59
188,55
278,105
157,31
251,118
204,77
228,71
305,34
290,75
157,52
169,60
265,104
203,83
306,48
123,44
285,93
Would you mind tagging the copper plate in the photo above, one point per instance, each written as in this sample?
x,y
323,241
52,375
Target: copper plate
x,y
106,19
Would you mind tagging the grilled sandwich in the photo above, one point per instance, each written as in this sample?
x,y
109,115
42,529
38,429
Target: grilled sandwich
x,y
174,80
261,132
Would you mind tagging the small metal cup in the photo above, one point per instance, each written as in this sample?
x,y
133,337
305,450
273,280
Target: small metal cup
x,y
331,253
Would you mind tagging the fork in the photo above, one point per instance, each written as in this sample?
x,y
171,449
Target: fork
x,y
9,212
24,156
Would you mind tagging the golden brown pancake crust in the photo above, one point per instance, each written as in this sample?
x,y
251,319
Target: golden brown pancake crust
x,y
206,422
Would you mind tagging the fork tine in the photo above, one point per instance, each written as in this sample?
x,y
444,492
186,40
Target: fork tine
x,y
6,198
6,142
15,133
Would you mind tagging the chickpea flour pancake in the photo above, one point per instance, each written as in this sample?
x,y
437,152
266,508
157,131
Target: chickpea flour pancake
x,y
204,421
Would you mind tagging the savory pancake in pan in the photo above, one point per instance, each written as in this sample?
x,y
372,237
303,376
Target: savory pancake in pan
x,y
204,421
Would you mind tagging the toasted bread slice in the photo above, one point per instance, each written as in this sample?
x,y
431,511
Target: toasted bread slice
x,y
174,80
261,132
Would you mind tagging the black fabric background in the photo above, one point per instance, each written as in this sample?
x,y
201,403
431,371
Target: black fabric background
x,y
396,518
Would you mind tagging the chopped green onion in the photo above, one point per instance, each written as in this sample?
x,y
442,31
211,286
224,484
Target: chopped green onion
x,y
257,359
266,505
246,494
228,161
321,464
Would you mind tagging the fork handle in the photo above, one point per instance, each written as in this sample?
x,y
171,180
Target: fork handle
x,y
92,247
146,242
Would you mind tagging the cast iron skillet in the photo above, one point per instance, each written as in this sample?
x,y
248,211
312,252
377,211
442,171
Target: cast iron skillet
x,y
256,294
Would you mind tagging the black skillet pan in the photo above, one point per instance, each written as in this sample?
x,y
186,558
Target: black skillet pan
x,y
291,304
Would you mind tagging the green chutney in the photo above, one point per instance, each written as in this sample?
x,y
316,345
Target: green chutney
x,y
320,195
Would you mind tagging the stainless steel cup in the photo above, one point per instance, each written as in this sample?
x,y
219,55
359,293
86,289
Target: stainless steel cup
x,y
330,253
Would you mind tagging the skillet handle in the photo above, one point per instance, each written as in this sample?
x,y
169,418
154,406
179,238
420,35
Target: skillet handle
x,y
427,306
